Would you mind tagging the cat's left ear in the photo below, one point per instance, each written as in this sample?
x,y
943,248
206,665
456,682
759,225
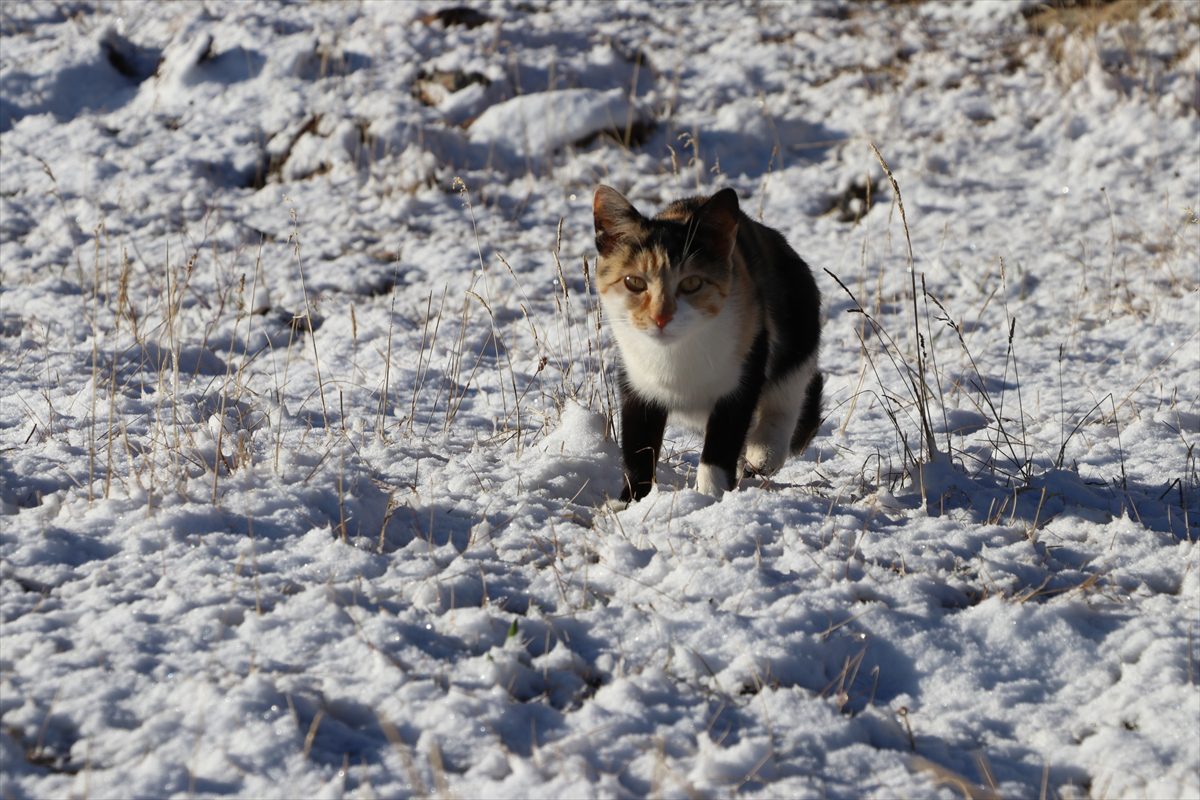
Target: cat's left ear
x,y
718,221
616,219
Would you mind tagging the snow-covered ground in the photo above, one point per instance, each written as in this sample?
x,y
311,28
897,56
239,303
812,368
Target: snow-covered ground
x,y
306,421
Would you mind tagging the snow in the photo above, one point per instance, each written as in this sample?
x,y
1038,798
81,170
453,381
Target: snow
x,y
307,413
535,124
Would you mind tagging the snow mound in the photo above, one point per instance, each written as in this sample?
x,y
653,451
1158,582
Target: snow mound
x,y
538,124
575,461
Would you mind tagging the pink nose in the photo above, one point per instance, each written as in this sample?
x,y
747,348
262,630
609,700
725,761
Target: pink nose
x,y
662,319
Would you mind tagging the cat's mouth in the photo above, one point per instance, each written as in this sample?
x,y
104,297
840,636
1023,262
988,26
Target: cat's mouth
x,y
667,334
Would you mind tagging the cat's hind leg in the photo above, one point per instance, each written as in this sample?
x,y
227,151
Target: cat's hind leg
x,y
810,416
782,411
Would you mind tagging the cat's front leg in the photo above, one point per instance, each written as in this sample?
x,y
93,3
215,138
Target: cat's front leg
x,y
779,409
728,424
642,425
713,481
724,438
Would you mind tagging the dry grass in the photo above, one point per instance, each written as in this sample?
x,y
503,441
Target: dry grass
x,y
1085,17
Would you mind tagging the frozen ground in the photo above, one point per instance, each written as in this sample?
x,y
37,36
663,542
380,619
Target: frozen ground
x,y
305,429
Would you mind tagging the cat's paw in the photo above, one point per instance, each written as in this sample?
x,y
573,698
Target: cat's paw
x,y
713,481
615,504
764,460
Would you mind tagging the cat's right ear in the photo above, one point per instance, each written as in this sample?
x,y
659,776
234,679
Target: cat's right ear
x,y
718,221
616,219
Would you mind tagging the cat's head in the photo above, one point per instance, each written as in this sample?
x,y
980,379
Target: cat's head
x,y
665,276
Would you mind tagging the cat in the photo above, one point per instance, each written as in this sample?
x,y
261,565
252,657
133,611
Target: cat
x,y
717,321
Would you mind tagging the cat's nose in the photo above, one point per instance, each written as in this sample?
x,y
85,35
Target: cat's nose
x,y
662,319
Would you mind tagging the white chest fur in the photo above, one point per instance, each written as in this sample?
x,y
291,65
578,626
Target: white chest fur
x,y
689,369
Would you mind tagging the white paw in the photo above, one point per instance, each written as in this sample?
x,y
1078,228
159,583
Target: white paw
x,y
764,460
614,504
713,481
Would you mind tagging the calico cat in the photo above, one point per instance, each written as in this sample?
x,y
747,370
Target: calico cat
x,y
717,321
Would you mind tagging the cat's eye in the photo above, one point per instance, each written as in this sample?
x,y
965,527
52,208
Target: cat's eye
x,y
691,283
635,284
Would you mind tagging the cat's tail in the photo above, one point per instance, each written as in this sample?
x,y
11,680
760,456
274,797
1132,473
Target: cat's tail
x,y
810,415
